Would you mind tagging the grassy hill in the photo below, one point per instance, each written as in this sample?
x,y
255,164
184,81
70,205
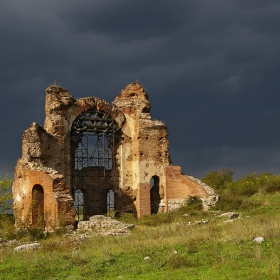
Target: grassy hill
x,y
166,246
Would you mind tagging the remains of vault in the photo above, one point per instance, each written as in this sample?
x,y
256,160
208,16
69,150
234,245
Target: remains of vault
x,y
92,157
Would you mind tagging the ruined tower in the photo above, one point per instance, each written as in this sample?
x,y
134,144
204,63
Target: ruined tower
x,y
92,157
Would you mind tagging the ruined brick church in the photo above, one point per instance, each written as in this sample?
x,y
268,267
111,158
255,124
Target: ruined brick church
x,y
92,157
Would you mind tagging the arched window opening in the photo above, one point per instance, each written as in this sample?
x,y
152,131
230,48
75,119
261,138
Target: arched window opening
x,y
79,205
38,206
154,194
110,202
92,159
92,135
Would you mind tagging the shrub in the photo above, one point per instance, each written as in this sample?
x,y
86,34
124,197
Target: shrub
x,y
228,203
194,203
7,226
249,205
6,220
272,184
5,195
217,179
36,233
245,188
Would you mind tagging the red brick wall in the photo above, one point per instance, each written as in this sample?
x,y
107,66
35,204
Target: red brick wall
x,y
179,186
56,196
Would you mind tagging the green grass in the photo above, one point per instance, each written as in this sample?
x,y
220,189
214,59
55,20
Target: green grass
x,y
216,250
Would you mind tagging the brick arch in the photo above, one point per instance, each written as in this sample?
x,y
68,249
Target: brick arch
x,y
38,204
88,103
94,137
62,109
154,194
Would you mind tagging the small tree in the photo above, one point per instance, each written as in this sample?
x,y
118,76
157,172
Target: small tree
x,y
5,194
218,180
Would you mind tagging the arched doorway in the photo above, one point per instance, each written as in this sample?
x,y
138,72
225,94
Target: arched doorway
x,y
93,136
154,194
38,206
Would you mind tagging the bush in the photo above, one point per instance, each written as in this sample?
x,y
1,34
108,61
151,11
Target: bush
x,y
218,180
6,220
36,233
5,195
272,185
249,205
234,194
228,203
7,226
246,188
194,203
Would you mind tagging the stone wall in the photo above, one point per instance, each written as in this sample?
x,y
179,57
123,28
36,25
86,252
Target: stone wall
x,y
143,151
142,176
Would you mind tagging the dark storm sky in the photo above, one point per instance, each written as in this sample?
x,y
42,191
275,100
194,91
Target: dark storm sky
x,y
211,69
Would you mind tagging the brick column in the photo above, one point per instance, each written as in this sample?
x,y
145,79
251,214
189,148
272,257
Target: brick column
x,y
143,200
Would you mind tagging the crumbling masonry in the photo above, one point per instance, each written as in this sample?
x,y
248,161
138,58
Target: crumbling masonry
x,y
92,157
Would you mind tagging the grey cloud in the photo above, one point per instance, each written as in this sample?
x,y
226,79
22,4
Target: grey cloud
x,y
241,160
211,69
127,20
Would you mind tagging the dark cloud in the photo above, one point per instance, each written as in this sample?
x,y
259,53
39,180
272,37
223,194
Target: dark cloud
x,y
211,69
236,159
128,20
